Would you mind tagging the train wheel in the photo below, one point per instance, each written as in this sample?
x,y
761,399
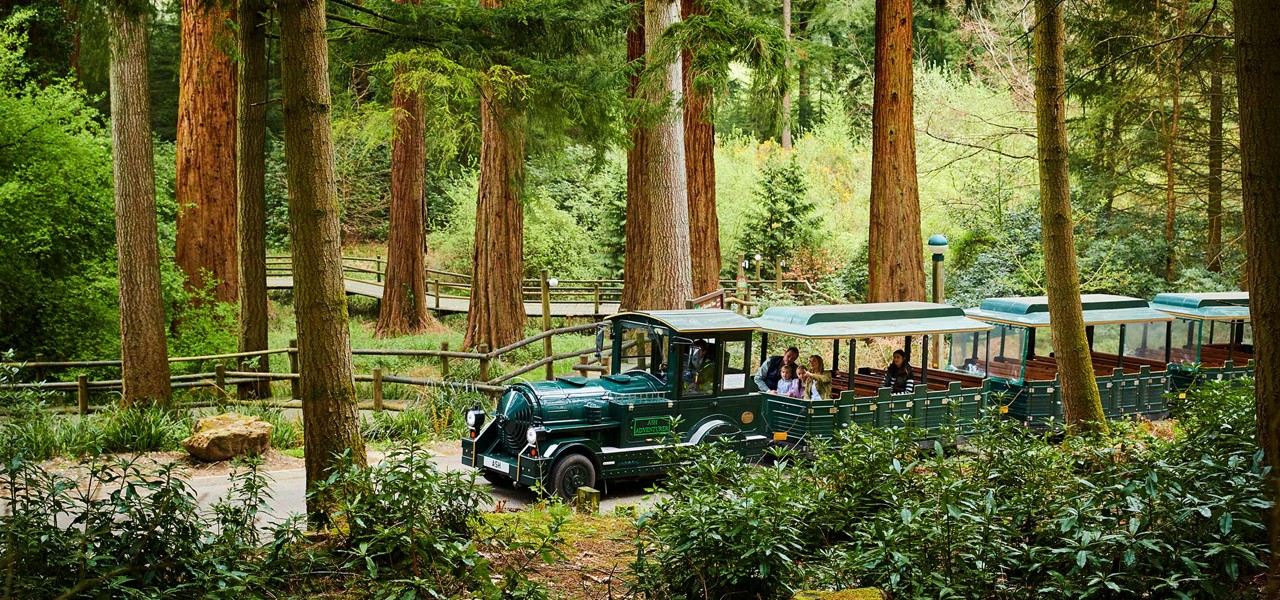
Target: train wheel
x,y
570,473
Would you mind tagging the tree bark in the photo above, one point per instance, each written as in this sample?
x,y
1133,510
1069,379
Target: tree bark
x,y
700,171
635,255
896,253
251,169
1170,146
143,348
206,148
1258,73
331,421
786,92
1214,249
1081,403
404,300
667,280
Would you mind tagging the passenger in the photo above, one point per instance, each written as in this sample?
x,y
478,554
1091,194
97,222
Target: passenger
x,y
899,375
771,370
816,380
789,385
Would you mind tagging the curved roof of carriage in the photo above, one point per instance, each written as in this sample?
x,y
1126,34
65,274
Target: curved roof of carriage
x,y
698,320
1212,306
867,320
1099,309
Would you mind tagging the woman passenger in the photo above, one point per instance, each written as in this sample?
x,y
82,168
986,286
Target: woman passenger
x,y
816,380
899,375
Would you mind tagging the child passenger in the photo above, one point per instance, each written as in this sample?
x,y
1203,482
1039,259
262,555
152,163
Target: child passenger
x,y
789,385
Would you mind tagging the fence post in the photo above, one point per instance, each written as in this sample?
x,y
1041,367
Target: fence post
x,y
546,325
596,310
39,371
604,362
377,389
444,361
437,282
778,284
82,394
582,362
377,266
484,362
294,382
220,381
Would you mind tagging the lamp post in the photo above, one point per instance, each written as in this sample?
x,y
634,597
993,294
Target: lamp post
x,y
938,246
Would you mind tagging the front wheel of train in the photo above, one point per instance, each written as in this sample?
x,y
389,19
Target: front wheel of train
x,y
570,473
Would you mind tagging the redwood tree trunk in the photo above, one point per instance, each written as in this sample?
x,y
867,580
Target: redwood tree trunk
x,y
497,314
404,299
1214,249
143,349
1170,146
251,134
206,147
786,92
896,248
700,171
1258,73
331,421
1081,404
667,280
635,255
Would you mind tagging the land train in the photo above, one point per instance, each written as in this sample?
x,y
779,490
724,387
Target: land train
x,y
684,377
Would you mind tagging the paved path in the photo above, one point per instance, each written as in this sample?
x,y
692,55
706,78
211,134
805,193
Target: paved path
x,y
371,289
288,489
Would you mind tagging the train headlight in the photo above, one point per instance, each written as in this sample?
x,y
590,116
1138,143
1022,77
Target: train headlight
x,y
475,418
534,434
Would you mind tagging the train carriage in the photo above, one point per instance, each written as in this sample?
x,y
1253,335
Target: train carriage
x,y
1211,337
1128,343
676,377
939,394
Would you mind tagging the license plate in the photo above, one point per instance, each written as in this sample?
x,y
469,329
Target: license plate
x,y
497,465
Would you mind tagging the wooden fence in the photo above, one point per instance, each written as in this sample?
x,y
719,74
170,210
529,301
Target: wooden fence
x,y
222,379
446,285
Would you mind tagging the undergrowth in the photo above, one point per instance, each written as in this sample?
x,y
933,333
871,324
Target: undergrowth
x,y
1006,514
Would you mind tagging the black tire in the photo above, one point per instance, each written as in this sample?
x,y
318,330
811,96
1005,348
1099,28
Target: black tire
x,y
570,473
496,479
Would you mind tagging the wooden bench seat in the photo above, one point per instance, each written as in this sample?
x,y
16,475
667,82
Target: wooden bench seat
x,y
1216,355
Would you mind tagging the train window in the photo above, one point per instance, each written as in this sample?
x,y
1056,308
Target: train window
x,y
1186,341
1044,342
1008,345
700,367
1145,340
643,349
735,366
1106,338
969,352
1246,334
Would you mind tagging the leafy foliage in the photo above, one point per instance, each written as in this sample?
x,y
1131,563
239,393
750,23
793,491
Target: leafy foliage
x,y
783,222
1005,515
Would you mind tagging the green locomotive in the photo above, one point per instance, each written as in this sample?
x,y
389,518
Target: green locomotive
x,y
676,377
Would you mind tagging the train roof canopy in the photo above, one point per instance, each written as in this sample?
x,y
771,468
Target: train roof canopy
x,y
700,320
1213,306
1099,309
867,320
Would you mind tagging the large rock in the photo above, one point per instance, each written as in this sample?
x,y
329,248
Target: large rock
x,y
226,436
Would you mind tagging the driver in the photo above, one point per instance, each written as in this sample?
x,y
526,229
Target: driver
x,y
700,371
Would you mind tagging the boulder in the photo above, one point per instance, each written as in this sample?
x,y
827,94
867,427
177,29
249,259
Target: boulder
x,y
226,436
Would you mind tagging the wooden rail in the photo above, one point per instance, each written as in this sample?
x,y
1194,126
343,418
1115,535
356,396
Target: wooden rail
x,y
223,381
449,291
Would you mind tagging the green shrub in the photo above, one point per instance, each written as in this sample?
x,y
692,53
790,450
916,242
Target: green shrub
x,y
141,429
1005,515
